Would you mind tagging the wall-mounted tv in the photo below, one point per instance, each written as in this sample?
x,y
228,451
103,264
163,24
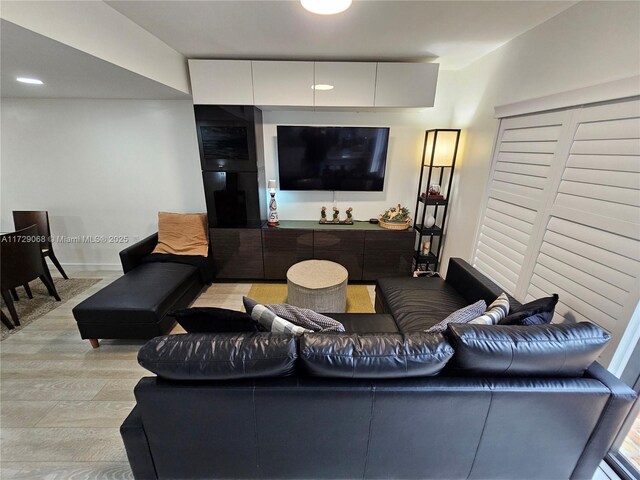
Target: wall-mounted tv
x,y
332,158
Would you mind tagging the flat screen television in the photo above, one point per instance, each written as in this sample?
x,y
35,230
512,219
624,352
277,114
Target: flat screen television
x,y
332,158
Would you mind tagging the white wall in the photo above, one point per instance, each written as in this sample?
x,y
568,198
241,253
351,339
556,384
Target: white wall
x,y
588,44
100,167
406,139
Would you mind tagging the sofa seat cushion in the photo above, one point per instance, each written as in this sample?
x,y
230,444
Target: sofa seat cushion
x,y
366,322
214,320
223,356
143,295
418,303
205,265
377,355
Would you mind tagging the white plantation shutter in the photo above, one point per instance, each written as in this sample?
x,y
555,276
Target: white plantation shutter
x,y
583,241
590,251
522,161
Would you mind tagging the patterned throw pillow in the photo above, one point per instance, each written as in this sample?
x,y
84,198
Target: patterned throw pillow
x,y
306,318
270,320
496,311
463,315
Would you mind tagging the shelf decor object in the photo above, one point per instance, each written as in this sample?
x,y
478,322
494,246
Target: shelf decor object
x,y
436,175
273,206
396,218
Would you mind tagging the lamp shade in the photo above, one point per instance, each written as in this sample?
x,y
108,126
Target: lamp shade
x,y
271,184
443,153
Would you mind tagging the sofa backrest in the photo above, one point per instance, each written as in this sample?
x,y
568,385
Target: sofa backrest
x,y
435,427
472,284
374,355
223,356
555,350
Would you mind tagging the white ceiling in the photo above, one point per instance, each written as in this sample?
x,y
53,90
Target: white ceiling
x,y
65,71
454,33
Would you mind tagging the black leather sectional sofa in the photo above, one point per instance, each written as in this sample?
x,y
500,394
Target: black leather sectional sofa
x,y
137,305
383,400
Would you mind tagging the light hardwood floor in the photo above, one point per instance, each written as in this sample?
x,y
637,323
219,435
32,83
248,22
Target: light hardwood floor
x,y
62,402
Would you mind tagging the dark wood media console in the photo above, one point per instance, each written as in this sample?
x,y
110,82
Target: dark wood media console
x,y
367,251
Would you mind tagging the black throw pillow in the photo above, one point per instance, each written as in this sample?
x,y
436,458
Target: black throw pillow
x,y
538,312
214,320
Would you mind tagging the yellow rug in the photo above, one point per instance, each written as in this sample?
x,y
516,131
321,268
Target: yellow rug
x,y
358,300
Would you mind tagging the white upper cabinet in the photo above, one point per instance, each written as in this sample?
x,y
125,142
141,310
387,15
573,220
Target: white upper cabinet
x,y
406,84
283,83
290,84
354,84
221,82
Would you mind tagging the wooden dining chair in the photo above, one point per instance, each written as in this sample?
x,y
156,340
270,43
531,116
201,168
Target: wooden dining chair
x,y
24,218
6,321
21,262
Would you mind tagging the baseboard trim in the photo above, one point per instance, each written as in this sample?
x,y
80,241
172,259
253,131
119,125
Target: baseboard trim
x,y
87,267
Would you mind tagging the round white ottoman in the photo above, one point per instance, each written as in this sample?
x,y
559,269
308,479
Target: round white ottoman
x,y
319,285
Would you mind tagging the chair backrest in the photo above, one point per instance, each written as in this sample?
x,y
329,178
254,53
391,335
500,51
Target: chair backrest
x,y
20,258
40,218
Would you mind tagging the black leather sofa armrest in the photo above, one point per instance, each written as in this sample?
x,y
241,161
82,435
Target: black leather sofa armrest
x,y
472,284
618,387
137,447
613,414
131,256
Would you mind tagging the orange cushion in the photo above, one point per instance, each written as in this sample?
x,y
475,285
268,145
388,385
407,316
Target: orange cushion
x,y
182,234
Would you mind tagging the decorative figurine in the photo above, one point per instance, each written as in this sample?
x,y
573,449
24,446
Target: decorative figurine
x,y
426,247
323,215
273,220
435,193
349,219
336,215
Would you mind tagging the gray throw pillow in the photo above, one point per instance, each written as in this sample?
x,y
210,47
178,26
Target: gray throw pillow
x,y
270,320
306,318
463,315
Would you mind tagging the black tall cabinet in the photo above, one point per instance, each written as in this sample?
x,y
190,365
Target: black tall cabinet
x,y
232,160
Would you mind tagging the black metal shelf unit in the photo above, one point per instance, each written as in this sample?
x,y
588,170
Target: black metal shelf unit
x,y
438,163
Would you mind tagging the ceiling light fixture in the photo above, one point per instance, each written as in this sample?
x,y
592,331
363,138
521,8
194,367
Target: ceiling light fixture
x,y
322,86
31,81
326,7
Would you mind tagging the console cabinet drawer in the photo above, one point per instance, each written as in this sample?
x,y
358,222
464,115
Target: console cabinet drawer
x,y
284,248
387,254
237,253
345,248
257,254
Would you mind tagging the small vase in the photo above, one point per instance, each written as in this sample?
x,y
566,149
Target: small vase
x,y
430,221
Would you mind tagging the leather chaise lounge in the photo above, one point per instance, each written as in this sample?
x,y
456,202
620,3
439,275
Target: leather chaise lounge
x,y
136,305
383,400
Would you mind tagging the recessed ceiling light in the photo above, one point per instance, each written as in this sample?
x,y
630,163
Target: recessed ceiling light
x,y
326,7
322,86
31,81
